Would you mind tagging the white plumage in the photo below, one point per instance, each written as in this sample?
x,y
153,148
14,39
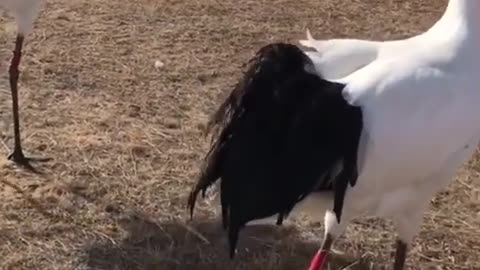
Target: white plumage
x,y
24,11
419,99
337,58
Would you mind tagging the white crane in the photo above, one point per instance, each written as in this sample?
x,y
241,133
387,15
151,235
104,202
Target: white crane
x,y
383,139
25,13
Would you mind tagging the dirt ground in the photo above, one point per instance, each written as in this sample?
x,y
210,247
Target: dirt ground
x,y
126,137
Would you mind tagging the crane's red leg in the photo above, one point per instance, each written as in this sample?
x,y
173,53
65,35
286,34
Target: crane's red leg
x,y
320,259
400,255
17,155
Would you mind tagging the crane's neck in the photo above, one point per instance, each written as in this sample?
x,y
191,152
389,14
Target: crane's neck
x,y
460,13
459,24
467,10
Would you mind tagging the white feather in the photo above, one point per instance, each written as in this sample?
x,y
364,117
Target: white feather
x,y
336,58
24,11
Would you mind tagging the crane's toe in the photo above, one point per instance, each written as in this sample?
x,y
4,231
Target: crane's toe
x,y
21,160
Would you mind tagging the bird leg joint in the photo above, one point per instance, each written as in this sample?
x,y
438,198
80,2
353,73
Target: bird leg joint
x,y
17,55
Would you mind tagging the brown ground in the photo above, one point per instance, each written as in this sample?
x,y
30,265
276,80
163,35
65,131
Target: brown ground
x,y
126,136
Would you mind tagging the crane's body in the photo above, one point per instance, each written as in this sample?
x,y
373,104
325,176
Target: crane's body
x,y
383,130
433,122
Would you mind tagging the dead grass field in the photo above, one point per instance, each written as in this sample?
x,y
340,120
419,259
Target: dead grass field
x,y
126,137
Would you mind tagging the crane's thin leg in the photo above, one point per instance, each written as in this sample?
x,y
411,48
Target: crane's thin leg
x,y
400,255
320,259
17,155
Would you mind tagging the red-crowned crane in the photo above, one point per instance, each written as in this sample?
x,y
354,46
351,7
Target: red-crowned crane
x,y
383,132
25,13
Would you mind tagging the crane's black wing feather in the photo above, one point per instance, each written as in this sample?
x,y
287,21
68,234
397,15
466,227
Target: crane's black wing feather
x,y
277,137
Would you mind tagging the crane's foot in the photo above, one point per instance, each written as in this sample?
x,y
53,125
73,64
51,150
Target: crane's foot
x,y
20,159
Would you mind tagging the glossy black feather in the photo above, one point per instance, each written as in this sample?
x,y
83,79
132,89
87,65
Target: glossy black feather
x,y
278,137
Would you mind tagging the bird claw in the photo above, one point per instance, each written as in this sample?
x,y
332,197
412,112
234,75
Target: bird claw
x,y
19,159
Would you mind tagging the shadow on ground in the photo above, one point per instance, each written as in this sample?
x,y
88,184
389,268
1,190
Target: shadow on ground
x,y
201,246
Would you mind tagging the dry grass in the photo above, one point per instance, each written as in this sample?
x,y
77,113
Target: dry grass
x,y
126,136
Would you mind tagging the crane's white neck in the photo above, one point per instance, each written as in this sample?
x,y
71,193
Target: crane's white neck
x,y
465,9
461,21
462,11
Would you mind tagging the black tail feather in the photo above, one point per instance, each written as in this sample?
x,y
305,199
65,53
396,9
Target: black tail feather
x,y
276,138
